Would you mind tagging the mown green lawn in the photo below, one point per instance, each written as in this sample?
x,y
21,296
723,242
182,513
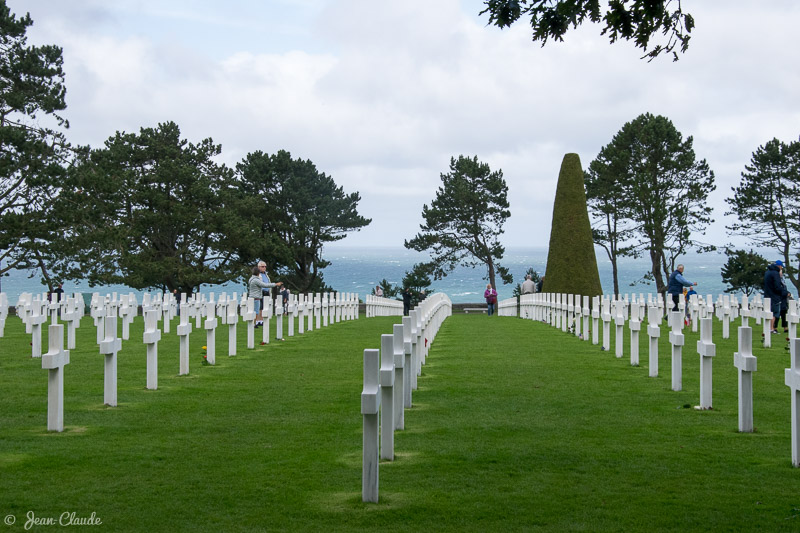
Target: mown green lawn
x,y
515,427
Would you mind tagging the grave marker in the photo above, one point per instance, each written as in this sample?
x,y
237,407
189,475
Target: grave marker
x,y
653,332
619,321
586,315
211,326
676,339
408,349
37,318
184,330
249,317
746,364
54,361
387,397
370,402
110,346
635,326
707,351
232,318
766,317
150,337
792,380
399,379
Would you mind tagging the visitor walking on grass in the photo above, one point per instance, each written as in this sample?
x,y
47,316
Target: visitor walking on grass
x,y
676,284
491,298
775,290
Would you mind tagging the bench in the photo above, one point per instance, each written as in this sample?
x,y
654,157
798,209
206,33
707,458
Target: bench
x,y
478,309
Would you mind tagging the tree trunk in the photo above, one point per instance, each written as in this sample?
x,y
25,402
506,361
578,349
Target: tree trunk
x,y
490,264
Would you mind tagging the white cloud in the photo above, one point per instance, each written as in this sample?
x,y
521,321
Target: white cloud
x,y
380,95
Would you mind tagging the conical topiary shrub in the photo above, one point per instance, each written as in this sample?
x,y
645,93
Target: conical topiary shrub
x,y
571,263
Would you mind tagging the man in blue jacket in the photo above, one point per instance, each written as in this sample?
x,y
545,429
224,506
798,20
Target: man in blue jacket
x,y
775,290
676,284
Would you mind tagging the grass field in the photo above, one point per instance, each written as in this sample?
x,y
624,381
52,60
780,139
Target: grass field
x,y
515,427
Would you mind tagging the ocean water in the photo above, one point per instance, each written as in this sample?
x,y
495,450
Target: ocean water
x,y
359,270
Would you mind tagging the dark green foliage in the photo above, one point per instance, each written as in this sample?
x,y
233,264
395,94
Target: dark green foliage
x,y
650,178
293,211
150,211
612,228
571,263
389,290
633,20
767,202
32,145
465,220
744,271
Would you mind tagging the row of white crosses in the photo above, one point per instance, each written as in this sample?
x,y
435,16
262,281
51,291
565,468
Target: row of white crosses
x,y
380,306
105,310
390,375
35,310
701,312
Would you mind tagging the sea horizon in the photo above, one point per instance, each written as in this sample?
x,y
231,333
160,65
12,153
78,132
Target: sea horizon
x,y
359,269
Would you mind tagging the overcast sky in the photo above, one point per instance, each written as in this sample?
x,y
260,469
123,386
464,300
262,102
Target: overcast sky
x,y
381,94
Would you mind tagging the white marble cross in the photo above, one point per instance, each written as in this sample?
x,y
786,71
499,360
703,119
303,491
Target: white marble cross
x,y
419,350
291,313
586,313
746,364
249,317
676,339
766,317
324,308
727,313
408,350
110,346
595,319
792,380
150,337
301,315
72,316
37,318
745,313
53,307
606,317
183,330
398,350
318,310
211,327
279,320
387,397
620,308
124,313
266,315
232,318
653,332
370,404
707,351
792,318
167,311
635,326
54,361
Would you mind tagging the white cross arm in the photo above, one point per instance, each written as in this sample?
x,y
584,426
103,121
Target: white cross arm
x,y
744,362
